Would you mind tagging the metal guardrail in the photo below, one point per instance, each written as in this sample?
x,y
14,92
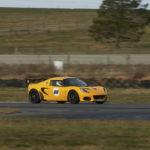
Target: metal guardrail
x,y
124,59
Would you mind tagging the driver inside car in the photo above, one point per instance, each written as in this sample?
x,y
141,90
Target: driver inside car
x,y
59,83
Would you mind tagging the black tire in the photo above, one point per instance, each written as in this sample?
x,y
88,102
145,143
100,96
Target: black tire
x,y
73,97
34,97
61,102
100,102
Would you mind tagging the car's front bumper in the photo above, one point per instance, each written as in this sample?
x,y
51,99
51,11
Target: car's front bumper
x,y
96,97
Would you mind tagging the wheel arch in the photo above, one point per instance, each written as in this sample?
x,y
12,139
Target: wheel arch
x,y
34,96
40,94
33,90
73,91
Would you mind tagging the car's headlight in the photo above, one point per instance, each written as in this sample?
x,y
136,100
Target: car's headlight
x,y
84,90
105,90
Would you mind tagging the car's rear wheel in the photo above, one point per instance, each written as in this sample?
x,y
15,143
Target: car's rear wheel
x,y
73,97
34,97
61,102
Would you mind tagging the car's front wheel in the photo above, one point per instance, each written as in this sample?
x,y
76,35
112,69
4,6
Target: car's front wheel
x,y
34,97
73,97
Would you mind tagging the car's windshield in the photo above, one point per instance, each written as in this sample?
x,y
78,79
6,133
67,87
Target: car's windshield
x,y
74,82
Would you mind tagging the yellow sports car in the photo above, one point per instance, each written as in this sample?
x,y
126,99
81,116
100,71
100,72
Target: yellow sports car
x,y
66,89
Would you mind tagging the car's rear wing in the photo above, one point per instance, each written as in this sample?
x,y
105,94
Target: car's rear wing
x,y
31,80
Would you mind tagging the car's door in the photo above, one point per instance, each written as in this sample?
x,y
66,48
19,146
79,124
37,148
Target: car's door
x,y
56,91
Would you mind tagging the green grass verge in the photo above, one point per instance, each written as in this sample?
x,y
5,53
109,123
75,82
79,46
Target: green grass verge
x,y
11,94
56,31
46,134
129,95
115,95
7,111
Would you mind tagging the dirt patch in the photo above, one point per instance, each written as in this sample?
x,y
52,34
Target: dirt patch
x,y
138,72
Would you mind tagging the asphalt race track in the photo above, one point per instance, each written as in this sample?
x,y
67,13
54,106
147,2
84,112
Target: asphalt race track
x,y
107,111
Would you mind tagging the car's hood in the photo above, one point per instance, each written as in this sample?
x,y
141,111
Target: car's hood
x,y
94,89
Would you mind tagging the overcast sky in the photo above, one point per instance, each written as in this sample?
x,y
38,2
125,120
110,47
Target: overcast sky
x,y
90,4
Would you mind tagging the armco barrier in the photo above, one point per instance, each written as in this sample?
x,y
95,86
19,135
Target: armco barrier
x,y
124,59
110,83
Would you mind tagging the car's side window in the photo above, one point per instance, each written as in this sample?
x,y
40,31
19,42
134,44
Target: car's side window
x,y
56,83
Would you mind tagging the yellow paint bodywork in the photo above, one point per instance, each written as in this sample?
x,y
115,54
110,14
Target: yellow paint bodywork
x,y
46,90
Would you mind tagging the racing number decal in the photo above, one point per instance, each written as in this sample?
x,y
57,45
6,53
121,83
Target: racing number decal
x,y
56,91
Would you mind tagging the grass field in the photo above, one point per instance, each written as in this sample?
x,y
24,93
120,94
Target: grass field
x,y
97,72
46,134
13,94
8,111
56,31
56,134
115,95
